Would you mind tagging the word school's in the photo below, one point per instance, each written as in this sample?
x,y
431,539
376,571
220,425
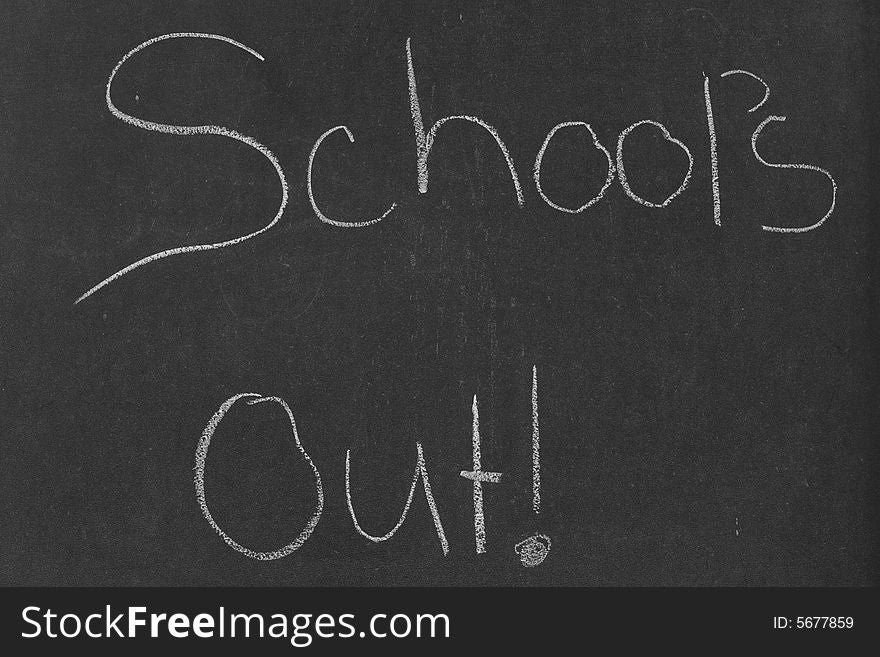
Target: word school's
x,y
532,550
425,139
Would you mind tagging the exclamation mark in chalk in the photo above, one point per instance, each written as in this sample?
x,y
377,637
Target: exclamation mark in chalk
x,y
533,550
536,445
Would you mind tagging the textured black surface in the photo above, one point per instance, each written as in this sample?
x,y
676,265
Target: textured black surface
x,y
707,394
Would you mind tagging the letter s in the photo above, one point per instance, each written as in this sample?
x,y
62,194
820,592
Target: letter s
x,y
24,617
806,167
189,130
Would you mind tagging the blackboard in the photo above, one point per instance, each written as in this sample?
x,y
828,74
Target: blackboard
x,y
674,385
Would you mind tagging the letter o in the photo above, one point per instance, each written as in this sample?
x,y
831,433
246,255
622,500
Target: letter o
x,y
77,624
621,171
202,456
540,158
394,632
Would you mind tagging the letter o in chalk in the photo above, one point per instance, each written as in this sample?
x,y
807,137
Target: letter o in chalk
x,y
621,171
596,144
202,456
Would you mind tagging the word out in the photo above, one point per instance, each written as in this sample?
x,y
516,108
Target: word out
x,y
532,550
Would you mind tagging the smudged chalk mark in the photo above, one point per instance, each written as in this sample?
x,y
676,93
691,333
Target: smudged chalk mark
x,y
533,550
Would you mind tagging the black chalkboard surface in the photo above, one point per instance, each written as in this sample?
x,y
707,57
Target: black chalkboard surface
x,y
410,293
